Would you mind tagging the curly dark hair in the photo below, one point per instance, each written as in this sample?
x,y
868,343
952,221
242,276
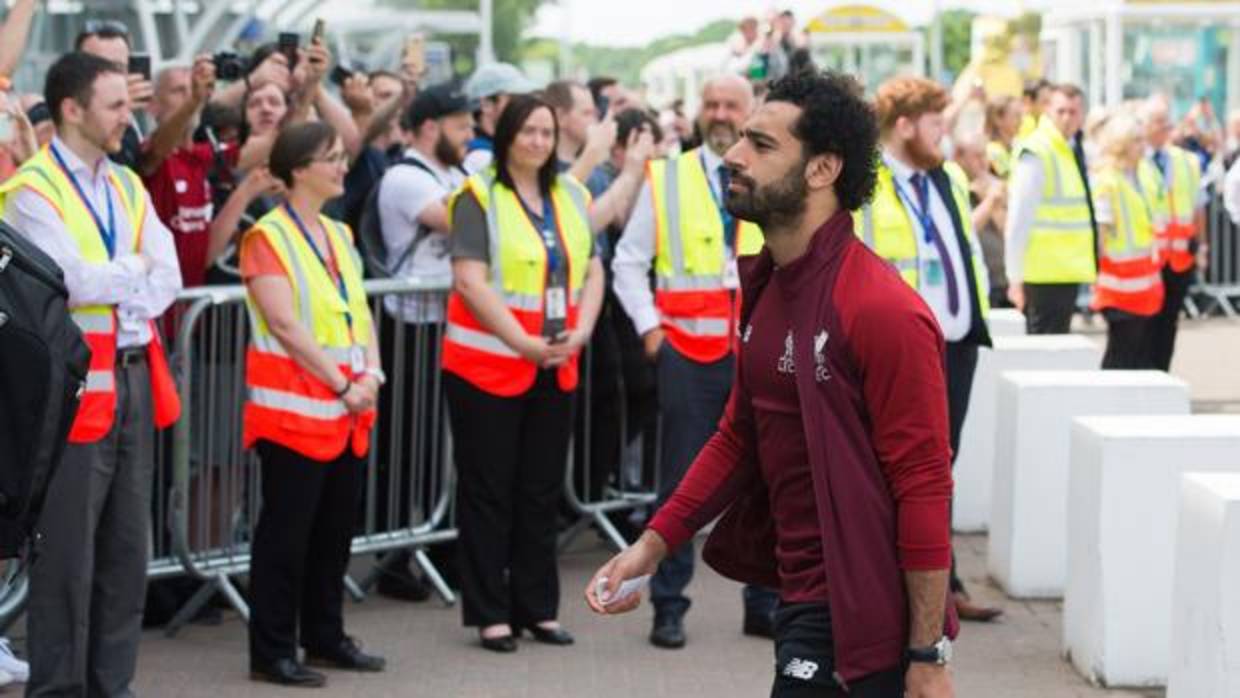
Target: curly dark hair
x,y
835,119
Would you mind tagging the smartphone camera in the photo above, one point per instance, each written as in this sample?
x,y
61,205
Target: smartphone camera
x,y
288,44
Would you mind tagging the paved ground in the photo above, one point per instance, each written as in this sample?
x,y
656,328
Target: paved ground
x,y
431,655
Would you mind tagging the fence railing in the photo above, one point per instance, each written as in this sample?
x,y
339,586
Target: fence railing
x,y
1218,286
206,490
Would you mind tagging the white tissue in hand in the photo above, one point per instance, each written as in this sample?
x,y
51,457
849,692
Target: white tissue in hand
x,y
627,588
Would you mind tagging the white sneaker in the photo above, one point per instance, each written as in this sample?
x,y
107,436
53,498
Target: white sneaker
x,y
16,669
5,679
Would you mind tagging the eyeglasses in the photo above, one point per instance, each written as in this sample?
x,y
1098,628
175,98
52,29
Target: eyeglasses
x,y
105,26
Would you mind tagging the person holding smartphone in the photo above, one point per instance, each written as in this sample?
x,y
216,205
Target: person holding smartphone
x,y
527,290
109,39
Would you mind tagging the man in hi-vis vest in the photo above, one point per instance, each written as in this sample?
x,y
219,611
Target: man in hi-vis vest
x,y
1051,235
95,220
688,323
1170,179
920,221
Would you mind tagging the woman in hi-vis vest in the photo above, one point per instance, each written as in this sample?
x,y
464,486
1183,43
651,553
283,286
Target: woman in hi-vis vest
x,y
312,374
527,289
1129,288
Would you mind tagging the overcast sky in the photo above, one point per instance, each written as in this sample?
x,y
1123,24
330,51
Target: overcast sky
x,y
635,22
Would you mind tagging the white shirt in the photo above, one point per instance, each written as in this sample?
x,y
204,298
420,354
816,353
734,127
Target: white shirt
x,y
932,280
1231,191
477,160
1026,183
636,248
139,295
405,192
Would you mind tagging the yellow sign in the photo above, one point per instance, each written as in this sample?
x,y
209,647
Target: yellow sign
x,y
854,19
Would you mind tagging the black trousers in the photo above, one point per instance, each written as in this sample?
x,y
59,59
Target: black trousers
x,y
961,365
1129,341
1167,322
300,551
805,660
1049,307
510,459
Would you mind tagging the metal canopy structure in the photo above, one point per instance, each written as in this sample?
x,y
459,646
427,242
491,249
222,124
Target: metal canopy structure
x,y
173,31
1121,49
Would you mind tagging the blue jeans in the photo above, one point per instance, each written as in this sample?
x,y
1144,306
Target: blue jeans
x,y
692,396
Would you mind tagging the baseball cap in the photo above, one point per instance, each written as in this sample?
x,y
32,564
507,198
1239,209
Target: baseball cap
x,y
497,78
436,102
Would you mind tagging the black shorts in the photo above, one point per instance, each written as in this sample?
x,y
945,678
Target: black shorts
x,y
805,662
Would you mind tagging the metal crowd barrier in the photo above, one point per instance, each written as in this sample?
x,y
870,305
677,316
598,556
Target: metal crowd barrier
x,y
206,494
1218,287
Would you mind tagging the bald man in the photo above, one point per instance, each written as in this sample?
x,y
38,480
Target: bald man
x,y
688,323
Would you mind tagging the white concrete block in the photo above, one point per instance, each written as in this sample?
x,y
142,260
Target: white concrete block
x,y
1027,547
1205,625
975,464
1006,322
1123,508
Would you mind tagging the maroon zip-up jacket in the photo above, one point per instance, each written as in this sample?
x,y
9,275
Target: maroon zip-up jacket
x,y
875,415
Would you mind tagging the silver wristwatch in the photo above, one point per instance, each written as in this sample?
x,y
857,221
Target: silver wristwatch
x,y
939,653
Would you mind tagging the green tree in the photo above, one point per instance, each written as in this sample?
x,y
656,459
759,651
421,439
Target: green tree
x,y
957,39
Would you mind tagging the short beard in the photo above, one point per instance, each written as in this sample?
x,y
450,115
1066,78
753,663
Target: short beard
x,y
921,157
780,204
714,138
447,153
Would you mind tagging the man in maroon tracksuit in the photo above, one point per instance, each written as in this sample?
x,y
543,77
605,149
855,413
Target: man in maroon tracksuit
x,y
832,460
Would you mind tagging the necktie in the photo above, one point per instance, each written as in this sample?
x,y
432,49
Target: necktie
x,y
729,223
922,186
1160,161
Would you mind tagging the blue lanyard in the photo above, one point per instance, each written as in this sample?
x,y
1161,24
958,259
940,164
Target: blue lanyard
x,y
109,233
339,276
928,228
546,230
729,222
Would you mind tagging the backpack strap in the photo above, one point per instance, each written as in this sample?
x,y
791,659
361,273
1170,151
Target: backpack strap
x,y
421,232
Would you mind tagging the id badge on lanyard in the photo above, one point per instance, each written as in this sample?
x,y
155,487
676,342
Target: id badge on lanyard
x,y
731,275
357,358
555,298
556,303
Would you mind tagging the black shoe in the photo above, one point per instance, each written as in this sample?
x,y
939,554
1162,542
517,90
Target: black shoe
x,y
668,632
346,655
550,636
503,644
759,624
287,672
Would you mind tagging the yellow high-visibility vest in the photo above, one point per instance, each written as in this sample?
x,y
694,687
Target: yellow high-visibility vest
x,y
1060,249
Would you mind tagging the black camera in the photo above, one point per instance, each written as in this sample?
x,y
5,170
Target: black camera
x,y
229,66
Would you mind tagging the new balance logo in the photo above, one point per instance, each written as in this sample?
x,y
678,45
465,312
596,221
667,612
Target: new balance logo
x,y
802,669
